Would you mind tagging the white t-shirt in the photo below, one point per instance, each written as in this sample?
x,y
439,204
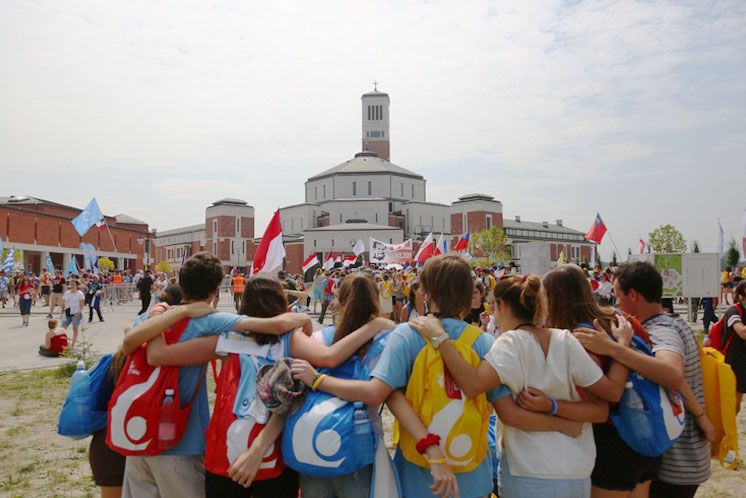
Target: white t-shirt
x,y
72,301
518,359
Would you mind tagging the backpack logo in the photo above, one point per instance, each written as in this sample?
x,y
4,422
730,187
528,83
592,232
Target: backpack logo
x,y
237,440
320,448
456,449
124,435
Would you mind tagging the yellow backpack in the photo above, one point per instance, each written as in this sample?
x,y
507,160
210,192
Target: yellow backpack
x,y
720,403
460,421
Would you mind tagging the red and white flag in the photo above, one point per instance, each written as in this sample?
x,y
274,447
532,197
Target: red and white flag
x,y
441,247
349,261
309,262
328,262
427,249
271,251
338,259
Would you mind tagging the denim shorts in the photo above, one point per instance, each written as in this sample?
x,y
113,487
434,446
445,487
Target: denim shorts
x,y
74,319
532,487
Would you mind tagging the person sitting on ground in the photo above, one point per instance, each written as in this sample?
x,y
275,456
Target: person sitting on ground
x,y
55,341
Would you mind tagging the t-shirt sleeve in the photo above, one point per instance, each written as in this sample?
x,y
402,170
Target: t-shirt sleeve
x,y
503,356
732,317
395,363
482,346
585,372
666,339
219,323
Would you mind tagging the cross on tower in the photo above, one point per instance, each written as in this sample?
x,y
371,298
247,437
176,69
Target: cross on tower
x,y
375,86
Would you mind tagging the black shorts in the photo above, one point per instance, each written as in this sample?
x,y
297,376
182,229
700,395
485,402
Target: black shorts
x,y
283,486
619,467
44,290
107,466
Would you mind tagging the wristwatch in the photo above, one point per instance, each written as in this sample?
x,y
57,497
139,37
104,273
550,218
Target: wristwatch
x,y
438,340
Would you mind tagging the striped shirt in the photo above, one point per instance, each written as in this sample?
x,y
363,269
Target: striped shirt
x,y
687,462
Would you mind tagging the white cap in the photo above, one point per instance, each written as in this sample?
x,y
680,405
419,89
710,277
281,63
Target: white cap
x,y
169,392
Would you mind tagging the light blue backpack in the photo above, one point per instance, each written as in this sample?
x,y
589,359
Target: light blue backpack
x,y
85,409
327,436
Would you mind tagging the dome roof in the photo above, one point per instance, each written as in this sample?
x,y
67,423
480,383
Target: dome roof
x,y
229,200
366,162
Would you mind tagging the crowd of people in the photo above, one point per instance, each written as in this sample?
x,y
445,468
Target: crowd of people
x,y
541,361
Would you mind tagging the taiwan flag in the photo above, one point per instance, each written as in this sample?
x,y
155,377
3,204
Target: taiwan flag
x,y
597,231
463,242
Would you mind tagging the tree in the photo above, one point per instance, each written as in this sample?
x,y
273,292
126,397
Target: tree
x,y
666,238
695,246
489,243
732,254
163,266
105,264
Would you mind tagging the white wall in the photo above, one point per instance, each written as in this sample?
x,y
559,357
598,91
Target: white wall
x,y
295,219
380,125
315,190
434,217
372,211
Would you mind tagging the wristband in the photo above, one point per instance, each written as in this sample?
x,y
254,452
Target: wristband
x,y
436,461
555,408
317,381
427,441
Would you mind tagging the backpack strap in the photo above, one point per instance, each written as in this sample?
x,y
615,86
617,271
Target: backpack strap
x,y
732,332
470,335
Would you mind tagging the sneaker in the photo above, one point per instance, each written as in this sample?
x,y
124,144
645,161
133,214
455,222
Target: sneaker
x,y
101,321
49,315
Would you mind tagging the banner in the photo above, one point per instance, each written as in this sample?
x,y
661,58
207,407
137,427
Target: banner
x,y
89,256
380,252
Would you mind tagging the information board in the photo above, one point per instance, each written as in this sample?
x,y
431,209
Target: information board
x,y
535,258
686,275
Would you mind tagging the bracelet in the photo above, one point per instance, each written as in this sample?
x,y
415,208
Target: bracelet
x,y
555,408
427,441
317,381
436,461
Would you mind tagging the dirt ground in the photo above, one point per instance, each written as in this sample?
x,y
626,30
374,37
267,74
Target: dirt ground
x,y
36,462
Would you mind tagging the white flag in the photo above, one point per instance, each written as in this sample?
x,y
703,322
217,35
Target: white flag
x,y
359,247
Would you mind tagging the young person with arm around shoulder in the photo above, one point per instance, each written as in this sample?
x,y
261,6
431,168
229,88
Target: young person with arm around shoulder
x,y
447,283
199,279
735,333
263,297
675,365
551,361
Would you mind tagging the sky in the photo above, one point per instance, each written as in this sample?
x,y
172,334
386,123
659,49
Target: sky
x,y
635,110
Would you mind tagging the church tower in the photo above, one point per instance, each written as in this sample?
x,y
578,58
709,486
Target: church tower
x,y
376,122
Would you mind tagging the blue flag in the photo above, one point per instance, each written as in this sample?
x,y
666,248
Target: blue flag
x,y
87,218
72,267
49,265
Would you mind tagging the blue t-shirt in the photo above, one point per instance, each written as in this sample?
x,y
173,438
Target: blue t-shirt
x,y
193,441
394,368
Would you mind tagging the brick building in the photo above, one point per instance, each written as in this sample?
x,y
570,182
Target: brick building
x,y
38,228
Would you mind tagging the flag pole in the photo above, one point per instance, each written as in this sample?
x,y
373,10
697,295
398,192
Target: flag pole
x,y
613,243
116,253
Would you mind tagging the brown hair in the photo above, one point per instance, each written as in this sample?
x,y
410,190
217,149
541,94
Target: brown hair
x,y
200,276
358,304
117,363
52,323
571,300
447,281
525,296
741,289
263,297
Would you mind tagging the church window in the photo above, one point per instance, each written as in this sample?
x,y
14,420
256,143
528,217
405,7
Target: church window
x,y
370,188
340,217
324,191
402,190
354,188
489,221
316,193
370,108
412,191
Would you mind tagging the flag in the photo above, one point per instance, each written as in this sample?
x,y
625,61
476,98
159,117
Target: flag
x,y
100,224
441,247
90,216
309,262
463,242
72,267
427,249
642,246
48,264
349,261
328,262
271,251
721,241
561,258
743,234
89,255
338,259
597,231
10,258
183,257
500,274
359,247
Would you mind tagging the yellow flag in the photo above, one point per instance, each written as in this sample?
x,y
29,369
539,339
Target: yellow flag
x,y
561,259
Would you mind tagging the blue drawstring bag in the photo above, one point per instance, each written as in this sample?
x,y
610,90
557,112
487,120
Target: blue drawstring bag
x,y
85,409
652,430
